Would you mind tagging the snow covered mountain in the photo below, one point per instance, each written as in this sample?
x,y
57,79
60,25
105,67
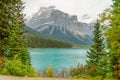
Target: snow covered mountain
x,y
55,24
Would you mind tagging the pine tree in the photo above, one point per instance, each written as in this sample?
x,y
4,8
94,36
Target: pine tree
x,y
12,42
4,27
4,30
96,51
17,44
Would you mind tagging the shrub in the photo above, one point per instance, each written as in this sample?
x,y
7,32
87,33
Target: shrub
x,y
17,68
2,61
91,70
50,72
78,72
63,73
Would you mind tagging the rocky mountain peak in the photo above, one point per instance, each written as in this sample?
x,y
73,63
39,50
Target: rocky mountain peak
x,y
53,23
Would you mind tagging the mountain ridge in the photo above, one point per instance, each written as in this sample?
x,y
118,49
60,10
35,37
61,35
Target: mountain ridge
x,y
55,24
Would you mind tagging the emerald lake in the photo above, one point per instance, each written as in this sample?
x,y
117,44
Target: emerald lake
x,y
57,57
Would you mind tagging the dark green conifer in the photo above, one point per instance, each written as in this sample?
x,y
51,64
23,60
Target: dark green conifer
x,y
96,51
4,26
12,41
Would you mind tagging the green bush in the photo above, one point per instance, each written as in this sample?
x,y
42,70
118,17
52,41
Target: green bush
x,y
77,72
50,72
17,68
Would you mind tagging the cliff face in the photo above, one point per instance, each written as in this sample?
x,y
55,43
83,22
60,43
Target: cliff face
x,y
55,24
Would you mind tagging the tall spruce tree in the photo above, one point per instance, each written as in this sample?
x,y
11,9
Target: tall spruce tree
x,y
12,42
96,52
17,44
4,31
4,26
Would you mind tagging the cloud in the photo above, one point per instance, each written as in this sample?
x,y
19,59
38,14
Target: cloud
x,y
76,7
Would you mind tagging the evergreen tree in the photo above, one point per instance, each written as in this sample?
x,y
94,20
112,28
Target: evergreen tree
x,y
4,26
17,45
5,21
12,42
112,16
113,38
96,52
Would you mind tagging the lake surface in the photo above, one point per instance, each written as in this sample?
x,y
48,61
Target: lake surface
x,y
57,57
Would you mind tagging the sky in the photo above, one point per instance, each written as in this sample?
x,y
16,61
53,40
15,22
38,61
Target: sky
x,y
72,7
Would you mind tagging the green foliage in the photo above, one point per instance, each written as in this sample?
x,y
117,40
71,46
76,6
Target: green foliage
x,y
15,67
2,61
16,39
12,40
24,56
78,72
96,52
39,42
113,37
4,26
91,70
36,41
50,72
17,46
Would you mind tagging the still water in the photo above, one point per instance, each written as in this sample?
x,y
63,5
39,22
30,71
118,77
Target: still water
x,y
58,57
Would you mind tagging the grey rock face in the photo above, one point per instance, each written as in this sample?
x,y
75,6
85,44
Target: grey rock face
x,y
55,24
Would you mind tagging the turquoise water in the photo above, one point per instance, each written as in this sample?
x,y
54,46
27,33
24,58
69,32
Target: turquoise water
x,y
59,58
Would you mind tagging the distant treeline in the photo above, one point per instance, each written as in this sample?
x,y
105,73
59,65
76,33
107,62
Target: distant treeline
x,y
35,40
39,42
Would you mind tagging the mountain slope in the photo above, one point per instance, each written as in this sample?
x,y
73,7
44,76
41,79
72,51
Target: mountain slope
x,y
55,24
36,41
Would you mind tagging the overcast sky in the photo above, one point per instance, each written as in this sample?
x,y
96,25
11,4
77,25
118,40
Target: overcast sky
x,y
73,7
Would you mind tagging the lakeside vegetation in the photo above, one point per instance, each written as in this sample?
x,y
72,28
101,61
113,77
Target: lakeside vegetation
x,y
15,60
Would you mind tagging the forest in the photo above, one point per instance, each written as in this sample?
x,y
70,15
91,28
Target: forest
x,y
39,42
104,54
34,40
